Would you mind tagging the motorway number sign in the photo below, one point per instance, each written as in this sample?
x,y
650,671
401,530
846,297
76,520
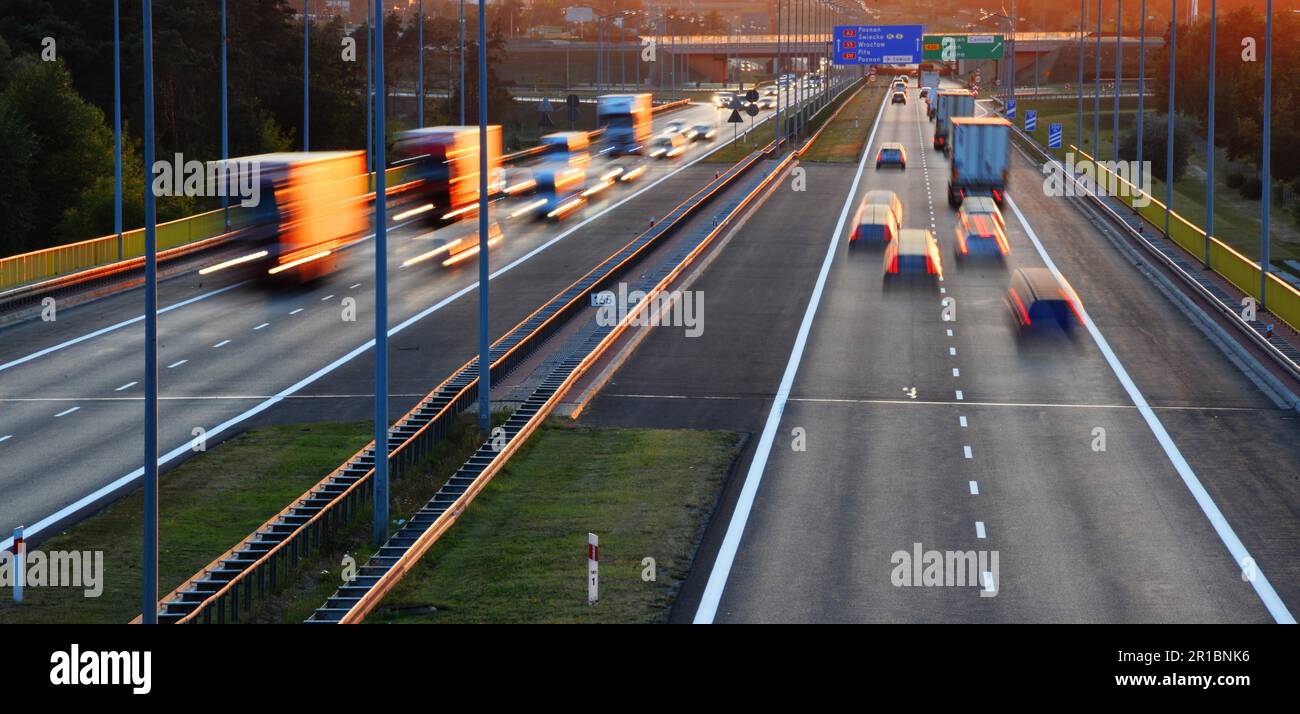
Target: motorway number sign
x,y
951,48
1031,120
1054,135
878,44
1011,109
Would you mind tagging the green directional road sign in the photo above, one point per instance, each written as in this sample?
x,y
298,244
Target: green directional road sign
x,y
961,47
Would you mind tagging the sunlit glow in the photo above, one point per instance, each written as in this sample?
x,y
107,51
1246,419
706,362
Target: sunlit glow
x,y
470,252
612,174
471,208
598,188
431,254
295,263
676,152
630,175
657,153
413,212
529,208
233,262
520,187
565,208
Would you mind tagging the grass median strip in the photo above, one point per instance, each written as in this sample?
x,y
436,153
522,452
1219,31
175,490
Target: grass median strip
x,y
843,139
519,552
206,505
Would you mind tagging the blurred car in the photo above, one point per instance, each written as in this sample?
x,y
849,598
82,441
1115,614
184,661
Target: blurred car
x,y
704,131
1037,298
898,97
891,153
667,145
675,127
980,235
982,204
901,78
888,199
925,93
873,224
767,103
723,99
914,254
770,90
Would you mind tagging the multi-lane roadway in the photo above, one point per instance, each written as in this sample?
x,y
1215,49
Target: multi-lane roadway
x,y
1128,472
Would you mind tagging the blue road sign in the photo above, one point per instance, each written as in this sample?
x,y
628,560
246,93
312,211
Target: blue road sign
x,y
878,44
1054,133
1011,109
1031,120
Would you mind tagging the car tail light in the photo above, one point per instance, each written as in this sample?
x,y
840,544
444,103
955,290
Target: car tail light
x,y
997,195
1019,307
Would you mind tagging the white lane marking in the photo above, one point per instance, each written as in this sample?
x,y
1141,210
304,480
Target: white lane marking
x,y
128,385
974,489
962,420
222,343
960,396
979,529
295,312
965,450
6,437
264,324
174,365
717,582
66,412
949,331
354,287
1240,555
956,372
952,351
184,448
327,297
111,328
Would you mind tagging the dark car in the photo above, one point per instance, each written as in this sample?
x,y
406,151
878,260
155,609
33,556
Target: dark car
x,y
1037,298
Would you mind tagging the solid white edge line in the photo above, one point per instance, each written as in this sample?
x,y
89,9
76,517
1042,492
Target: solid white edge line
x,y
125,480
1240,555
717,583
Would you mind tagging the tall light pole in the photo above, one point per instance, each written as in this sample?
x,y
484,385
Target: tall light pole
x,y
117,116
1169,129
1142,89
225,133
484,358
1266,171
1083,19
1119,74
1209,137
149,550
306,75
370,90
419,114
380,530
462,62
1096,92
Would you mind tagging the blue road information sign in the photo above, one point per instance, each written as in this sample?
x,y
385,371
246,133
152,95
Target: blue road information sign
x,y
1054,134
1011,109
878,44
1031,120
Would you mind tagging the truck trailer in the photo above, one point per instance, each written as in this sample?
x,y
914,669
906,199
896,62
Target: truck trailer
x,y
951,104
980,150
627,120
443,168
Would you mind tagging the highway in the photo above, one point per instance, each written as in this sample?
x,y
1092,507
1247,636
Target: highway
x,y
877,425
233,354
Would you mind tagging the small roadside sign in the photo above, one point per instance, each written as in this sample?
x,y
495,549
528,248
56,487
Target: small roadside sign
x,y
1011,109
1031,120
735,117
751,95
1054,135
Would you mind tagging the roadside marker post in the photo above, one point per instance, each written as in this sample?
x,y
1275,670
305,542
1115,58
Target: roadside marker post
x,y
20,570
593,568
1031,120
1054,134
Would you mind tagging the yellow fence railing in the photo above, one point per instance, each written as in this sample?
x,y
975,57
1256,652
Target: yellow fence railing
x,y
1283,300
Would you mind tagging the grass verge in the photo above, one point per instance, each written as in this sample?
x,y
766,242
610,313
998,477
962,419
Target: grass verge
x,y
847,134
765,133
206,505
519,552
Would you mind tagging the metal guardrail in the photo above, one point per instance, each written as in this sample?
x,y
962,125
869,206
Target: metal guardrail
x,y
357,598
1282,352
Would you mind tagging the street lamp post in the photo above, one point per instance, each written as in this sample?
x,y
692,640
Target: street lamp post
x,y
484,358
117,115
1142,86
1169,130
380,529
306,75
149,549
1083,19
1266,169
1209,137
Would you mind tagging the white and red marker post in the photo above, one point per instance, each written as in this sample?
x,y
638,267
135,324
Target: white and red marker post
x,y
593,568
20,568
